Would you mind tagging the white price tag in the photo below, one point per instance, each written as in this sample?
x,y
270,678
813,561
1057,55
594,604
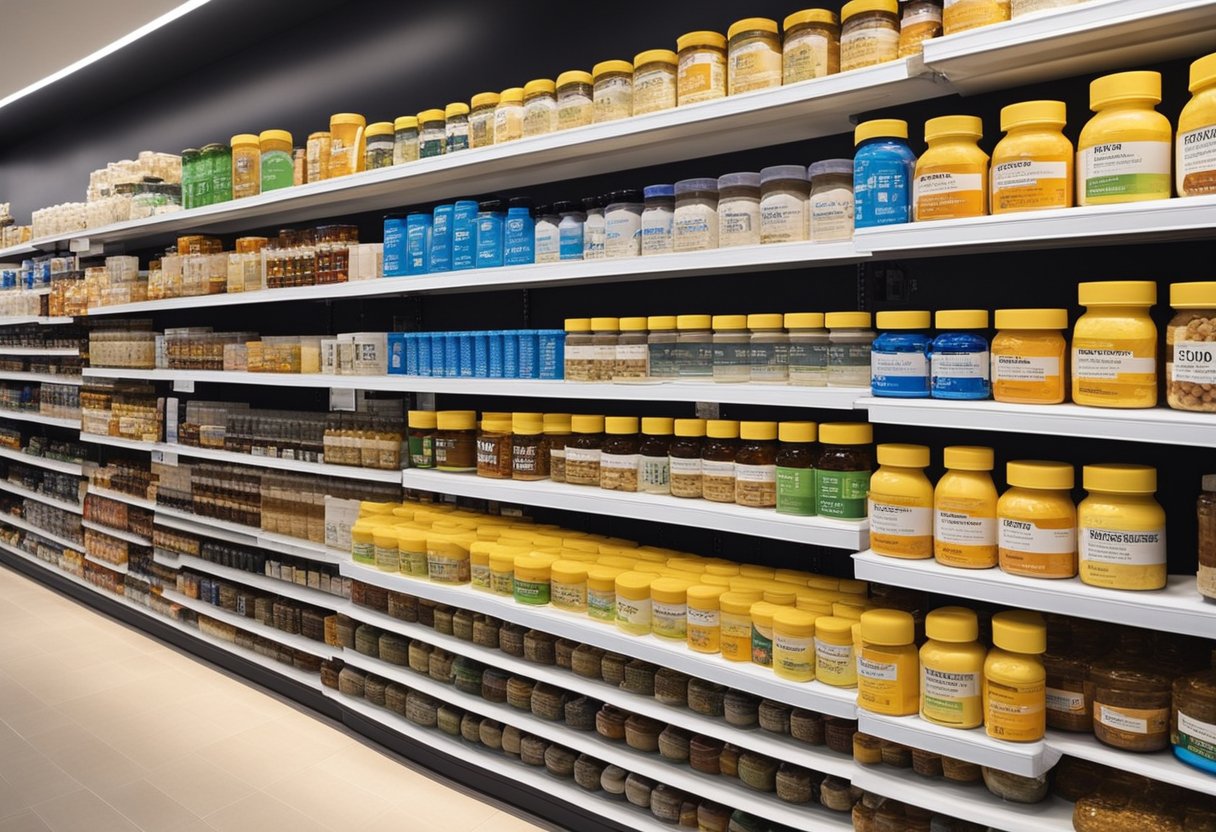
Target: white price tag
x,y
165,457
341,399
183,385
708,410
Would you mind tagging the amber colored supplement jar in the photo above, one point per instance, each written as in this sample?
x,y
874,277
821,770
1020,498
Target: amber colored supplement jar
x,y
456,440
756,465
529,447
842,474
619,457
584,449
246,166
686,448
811,47
1131,705
795,468
701,72
869,33
654,455
421,438
557,434
718,460
494,446
1068,706
1193,720
920,20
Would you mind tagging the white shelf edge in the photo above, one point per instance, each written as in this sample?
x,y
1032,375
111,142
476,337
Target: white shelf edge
x,y
120,568
306,594
74,468
54,421
1161,766
120,534
39,350
297,642
25,525
12,488
242,535
119,496
40,378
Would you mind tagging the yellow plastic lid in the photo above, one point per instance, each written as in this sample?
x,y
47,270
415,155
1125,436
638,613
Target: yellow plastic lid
x,y
430,116
605,324
847,320
713,40
956,625
797,431
751,584
581,544
730,322
1019,631
834,630
903,456
1119,479
378,128
385,536
722,570
619,562
502,559
657,425
762,613
568,571
943,126
917,319
497,422
879,128
669,590
606,67
577,324
456,108
583,423
758,431
621,425
456,419
705,596
653,56
450,546
532,567
736,603
1193,295
528,424
1033,473
661,322
422,419
1117,293
751,24
479,552
846,433
347,118
539,86
851,610
1025,113
795,622
828,584
968,458
1124,86
887,627
690,427
804,320
722,429
961,319
573,76
484,99
634,324
634,585
654,554
756,570
511,95
780,596
557,423
405,123
689,564
765,321
1032,319
243,138
371,507
808,16
602,578
818,606
411,540
1203,73
693,321
855,7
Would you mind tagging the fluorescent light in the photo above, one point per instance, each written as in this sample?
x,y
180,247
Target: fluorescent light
x,y
125,40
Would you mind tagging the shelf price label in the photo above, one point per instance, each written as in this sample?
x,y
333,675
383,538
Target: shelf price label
x,y
341,399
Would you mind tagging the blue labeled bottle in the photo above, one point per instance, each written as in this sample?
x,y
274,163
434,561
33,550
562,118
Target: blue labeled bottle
x,y
959,364
883,169
570,231
519,233
464,234
899,356
441,239
491,217
418,242
394,256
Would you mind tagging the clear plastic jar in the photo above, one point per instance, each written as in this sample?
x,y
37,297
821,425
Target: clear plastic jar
x,y
694,354
570,230
695,224
920,21
604,334
623,224
546,247
738,209
658,219
574,99
1020,8
405,140
753,55
246,166
378,151
769,349
811,47
631,362
731,349
661,347
784,201
432,134
869,33
701,75
481,119
456,127
612,91
654,81
540,107
1190,361
807,353
593,227
509,115
579,356
849,340
961,15
831,200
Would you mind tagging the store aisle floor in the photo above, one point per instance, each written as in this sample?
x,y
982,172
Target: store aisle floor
x,y
104,729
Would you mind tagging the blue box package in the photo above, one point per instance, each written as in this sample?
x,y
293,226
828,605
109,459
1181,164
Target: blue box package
x,y
465,370
418,242
394,245
451,355
481,354
494,340
422,343
437,354
396,354
551,353
464,234
510,354
529,366
441,239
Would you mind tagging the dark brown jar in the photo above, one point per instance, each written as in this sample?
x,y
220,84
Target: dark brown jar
x,y
685,470
756,465
557,435
529,447
619,459
421,438
654,456
494,446
584,449
718,460
842,475
796,469
1131,705
1068,708
456,441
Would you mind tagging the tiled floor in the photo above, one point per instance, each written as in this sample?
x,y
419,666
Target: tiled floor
x,y
104,729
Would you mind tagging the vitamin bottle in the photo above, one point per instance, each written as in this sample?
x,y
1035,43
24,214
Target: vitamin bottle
x,y
811,47
1032,166
964,510
1021,8
631,351
623,224
795,471
735,608
546,242
808,349
658,219
718,460
901,503
888,668
756,465
869,33
883,167
961,15
584,449
633,605
612,91
842,474
346,144
1190,361
481,119
921,21
578,357
850,340
1114,345
794,645
455,127
246,166
661,346
1028,355
1015,683
738,209
959,362
509,115
654,81
952,175
686,457
695,222
762,613
704,618
899,356
831,201
533,576
601,593
952,669
432,134
770,347
753,55
1121,528
619,458
529,449
568,585
379,148
540,107
278,167
575,103
694,355
1037,521
785,195
1125,150
732,349
835,658
1196,155
669,608
701,74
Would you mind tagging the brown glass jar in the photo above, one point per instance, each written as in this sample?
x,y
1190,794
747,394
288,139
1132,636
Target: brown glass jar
x,y
557,435
718,460
1068,708
584,450
654,456
620,455
494,446
685,469
842,474
756,465
795,470
421,438
1131,705
456,441
529,447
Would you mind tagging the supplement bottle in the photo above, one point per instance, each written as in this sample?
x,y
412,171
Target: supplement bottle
x,y
1037,521
533,577
883,167
494,444
849,345
481,119
631,363
731,349
811,48
795,468
756,465
570,243
1196,154
575,103
694,354
568,585
869,33
1032,166
1015,683
654,455
661,346
738,209
899,357
785,195
658,219
695,224
718,460
753,55
842,473
540,107
686,458
1028,356
529,448
769,348
620,457
605,333
246,166
601,593
578,357
762,613
1190,361
735,608
901,503
704,618
593,227
835,658
405,140
277,165
623,224
584,449
491,218
421,438
612,91
633,605
654,81
831,200
921,20
794,645
1114,345
346,144
1125,151
1021,8
888,668
959,362
546,244
455,127
808,349
669,607
509,115
432,134
701,74
964,510
952,175
952,669
456,441
961,15
519,233
1121,528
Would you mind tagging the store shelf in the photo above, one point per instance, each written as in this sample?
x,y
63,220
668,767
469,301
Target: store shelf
x,y
244,535
659,508
120,568
720,789
34,416
59,465
829,398
1159,425
1100,35
129,499
1156,221
39,378
252,625
744,676
1029,759
39,351
288,590
25,525
120,534
1162,766
12,488
1179,608
233,458
968,801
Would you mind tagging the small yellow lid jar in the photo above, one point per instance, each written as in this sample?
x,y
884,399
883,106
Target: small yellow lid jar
x,y
411,550
811,46
964,510
835,657
736,615
869,33
654,82
1032,166
601,592
952,669
1190,360
951,179
753,55
961,15
701,72
1037,521
762,613
363,543
1114,345
794,644
1015,683
1028,356
1196,157
509,115
1121,528
888,670
633,604
387,556
502,570
447,558
669,607
901,503
479,563
568,585
705,617
1125,151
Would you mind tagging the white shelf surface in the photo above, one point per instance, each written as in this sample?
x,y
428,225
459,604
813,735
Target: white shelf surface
x,y
288,590
25,525
344,471
1030,759
659,508
1179,608
13,488
120,534
721,789
244,535
252,625
120,568
119,496
39,351
43,462
1162,766
40,320
32,416
1158,425
39,378
744,676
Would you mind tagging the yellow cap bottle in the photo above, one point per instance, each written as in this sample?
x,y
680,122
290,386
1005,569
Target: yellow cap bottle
x,y
669,607
1032,167
1114,345
601,592
901,503
1028,356
951,180
633,605
762,613
1037,521
1015,683
952,669
1121,528
964,510
961,15
888,669
794,644
835,658
1125,150
1196,155
705,617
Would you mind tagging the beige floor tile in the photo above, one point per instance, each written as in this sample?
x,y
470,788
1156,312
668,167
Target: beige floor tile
x,y
81,810
199,786
25,821
36,777
507,822
356,807
147,806
12,801
260,812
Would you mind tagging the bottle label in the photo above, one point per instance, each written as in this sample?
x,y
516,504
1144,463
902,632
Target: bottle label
x,y
278,170
1110,364
620,462
548,246
654,473
1016,712
1133,720
770,362
1140,548
1065,701
703,618
657,225
842,494
754,66
686,467
832,215
868,45
1024,368
1119,171
756,473
1028,184
944,696
903,364
835,660
900,529
762,648
962,534
796,491
633,611
960,364
808,363
1197,161
881,188
738,222
570,242
783,217
804,55
576,455
944,194
959,15
877,671
1026,548
702,75
1196,736
717,468
1193,361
